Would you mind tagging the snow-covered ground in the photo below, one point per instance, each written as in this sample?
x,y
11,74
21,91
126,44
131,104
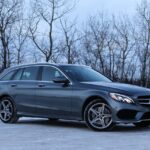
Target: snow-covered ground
x,y
39,134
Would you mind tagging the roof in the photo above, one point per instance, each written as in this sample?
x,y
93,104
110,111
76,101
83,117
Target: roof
x,y
37,64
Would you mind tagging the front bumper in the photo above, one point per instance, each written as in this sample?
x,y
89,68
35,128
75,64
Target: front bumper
x,y
129,113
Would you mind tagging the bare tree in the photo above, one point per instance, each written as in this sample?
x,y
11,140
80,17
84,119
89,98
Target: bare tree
x,y
87,56
69,40
8,17
112,72
124,44
48,12
143,40
20,40
96,34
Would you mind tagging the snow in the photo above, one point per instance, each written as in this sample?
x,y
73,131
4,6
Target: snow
x,y
40,134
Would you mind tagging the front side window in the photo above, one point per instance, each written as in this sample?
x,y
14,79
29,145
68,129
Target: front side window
x,y
30,73
50,73
8,76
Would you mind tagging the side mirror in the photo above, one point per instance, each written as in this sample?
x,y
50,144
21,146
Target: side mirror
x,y
61,80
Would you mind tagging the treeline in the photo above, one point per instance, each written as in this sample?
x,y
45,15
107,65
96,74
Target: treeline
x,y
42,30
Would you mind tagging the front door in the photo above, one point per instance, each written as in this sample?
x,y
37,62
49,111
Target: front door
x,y
53,99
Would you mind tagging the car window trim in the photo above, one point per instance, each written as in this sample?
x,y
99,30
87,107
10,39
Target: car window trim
x,y
22,73
40,72
45,65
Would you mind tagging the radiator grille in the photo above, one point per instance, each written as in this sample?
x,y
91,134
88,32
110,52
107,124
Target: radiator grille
x,y
144,101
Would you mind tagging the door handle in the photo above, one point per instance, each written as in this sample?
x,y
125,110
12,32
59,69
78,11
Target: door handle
x,y
41,85
13,85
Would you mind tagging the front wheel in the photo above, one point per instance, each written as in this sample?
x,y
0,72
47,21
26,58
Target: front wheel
x,y
98,116
8,113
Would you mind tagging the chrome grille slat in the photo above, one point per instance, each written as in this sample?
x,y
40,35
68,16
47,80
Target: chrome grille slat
x,y
144,100
144,104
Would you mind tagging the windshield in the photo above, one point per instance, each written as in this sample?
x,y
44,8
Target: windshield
x,y
84,74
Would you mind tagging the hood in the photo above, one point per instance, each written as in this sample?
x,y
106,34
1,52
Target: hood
x,y
119,88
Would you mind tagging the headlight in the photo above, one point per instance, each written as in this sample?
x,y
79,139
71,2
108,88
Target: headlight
x,y
121,98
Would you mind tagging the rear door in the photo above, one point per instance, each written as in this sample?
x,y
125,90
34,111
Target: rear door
x,y
5,83
23,89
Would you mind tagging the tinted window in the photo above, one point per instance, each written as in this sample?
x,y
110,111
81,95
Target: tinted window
x,y
30,73
8,76
18,75
50,73
84,74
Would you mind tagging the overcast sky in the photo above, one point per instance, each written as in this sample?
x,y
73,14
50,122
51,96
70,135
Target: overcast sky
x,y
85,8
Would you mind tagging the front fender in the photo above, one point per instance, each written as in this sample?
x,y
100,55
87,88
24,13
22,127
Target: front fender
x,y
82,96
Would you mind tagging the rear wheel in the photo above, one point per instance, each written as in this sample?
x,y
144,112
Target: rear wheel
x,y
142,124
8,113
98,116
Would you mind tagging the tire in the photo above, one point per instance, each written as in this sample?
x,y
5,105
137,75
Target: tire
x,y
98,116
53,119
142,124
8,112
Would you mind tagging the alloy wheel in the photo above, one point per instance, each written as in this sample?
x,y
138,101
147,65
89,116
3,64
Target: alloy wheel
x,y
99,116
6,110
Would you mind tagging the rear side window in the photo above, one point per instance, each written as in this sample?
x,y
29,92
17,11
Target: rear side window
x,y
8,76
18,75
50,73
30,73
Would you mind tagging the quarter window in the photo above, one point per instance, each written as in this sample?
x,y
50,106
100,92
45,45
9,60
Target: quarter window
x,y
30,73
50,73
8,76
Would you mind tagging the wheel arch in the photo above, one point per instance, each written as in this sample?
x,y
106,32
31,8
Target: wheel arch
x,y
7,95
14,117
89,100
